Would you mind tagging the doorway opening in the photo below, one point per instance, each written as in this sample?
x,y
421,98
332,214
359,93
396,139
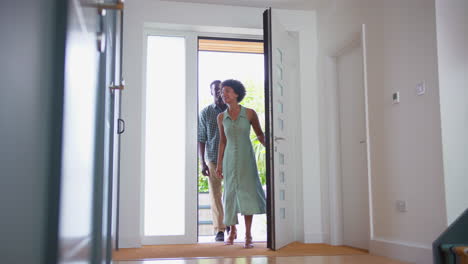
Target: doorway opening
x,y
243,60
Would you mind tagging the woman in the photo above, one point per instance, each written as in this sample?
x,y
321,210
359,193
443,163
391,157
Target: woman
x,y
243,191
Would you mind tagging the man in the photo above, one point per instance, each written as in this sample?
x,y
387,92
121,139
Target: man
x,y
208,139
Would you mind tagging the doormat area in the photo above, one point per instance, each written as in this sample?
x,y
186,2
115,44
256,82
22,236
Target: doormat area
x,y
236,250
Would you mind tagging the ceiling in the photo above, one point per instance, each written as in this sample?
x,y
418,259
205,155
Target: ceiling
x,y
280,4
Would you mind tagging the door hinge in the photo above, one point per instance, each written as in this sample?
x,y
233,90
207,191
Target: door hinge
x,y
117,87
102,7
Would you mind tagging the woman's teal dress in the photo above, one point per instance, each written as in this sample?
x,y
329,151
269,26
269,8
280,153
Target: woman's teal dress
x,y
243,191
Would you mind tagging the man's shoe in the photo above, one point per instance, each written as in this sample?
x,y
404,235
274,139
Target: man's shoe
x,y
220,236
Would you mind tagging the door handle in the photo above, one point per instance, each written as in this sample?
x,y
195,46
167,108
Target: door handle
x,y
120,126
278,138
120,87
362,141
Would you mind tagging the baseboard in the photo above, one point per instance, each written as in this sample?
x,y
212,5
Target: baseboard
x,y
400,250
326,238
129,242
313,238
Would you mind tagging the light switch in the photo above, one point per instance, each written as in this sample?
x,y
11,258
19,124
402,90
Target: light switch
x,y
401,206
396,97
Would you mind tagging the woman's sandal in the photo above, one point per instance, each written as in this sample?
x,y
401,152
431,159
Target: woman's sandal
x,y
231,237
248,242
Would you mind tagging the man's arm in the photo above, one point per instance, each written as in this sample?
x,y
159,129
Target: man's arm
x,y
201,152
202,138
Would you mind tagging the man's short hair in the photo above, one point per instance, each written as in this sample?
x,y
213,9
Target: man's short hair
x,y
215,82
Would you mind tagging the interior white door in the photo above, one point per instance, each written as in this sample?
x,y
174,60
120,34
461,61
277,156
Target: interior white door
x,y
282,60
355,188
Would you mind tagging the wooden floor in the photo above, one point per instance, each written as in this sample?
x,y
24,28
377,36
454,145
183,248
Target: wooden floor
x,y
214,250
354,259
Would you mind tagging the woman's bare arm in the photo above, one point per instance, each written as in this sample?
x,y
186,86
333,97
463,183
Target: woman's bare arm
x,y
221,147
252,116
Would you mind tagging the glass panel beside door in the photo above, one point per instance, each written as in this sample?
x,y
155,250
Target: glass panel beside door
x,y
166,212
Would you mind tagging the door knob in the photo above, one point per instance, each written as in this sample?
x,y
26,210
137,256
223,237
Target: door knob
x,y
278,138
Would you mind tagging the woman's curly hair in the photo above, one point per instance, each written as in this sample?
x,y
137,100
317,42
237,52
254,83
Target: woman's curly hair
x,y
237,86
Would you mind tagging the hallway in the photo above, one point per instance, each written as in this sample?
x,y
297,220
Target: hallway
x,y
73,126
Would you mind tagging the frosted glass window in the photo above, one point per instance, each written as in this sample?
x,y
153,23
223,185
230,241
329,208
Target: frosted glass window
x,y
282,195
282,176
281,124
281,158
164,197
280,107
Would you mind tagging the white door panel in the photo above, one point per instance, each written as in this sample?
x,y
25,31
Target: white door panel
x,y
283,76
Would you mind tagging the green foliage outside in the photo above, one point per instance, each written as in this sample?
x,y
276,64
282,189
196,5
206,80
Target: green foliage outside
x,y
202,182
255,100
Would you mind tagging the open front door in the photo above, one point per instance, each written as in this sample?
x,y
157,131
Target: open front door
x,y
87,192
280,75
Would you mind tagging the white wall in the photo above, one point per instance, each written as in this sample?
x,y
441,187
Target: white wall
x,y
452,39
405,139
139,13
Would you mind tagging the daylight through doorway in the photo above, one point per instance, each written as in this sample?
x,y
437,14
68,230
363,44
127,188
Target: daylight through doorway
x,y
222,59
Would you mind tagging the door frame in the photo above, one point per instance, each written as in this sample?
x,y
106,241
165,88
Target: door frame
x,y
356,39
269,159
192,33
